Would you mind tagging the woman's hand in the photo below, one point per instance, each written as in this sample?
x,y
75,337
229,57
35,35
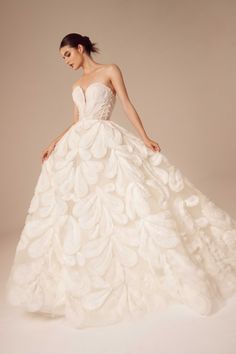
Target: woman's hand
x,y
152,144
46,152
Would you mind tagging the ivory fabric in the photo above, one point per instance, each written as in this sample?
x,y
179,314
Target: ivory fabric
x,y
114,230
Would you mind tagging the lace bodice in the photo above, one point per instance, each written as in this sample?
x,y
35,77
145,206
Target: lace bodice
x,y
97,102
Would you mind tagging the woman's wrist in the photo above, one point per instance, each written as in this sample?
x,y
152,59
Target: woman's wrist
x,y
145,138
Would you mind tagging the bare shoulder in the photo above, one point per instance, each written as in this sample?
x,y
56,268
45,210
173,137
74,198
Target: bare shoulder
x,y
113,68
115,74
110,74
76,83
110,69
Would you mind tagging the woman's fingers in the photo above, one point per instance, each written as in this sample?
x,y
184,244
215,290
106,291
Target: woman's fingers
x,y
46,153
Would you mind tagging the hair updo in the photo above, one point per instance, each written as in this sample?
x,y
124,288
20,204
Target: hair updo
x,y
74,39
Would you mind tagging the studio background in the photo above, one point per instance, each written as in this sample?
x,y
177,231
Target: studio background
x,y
178,62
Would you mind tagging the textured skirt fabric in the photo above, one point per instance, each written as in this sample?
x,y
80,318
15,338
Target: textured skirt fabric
x,y
114,230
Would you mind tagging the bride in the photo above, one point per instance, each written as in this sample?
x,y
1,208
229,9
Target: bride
x,y
114,230
78,55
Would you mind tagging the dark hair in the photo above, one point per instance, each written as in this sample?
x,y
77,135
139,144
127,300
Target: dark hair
x,y
74,39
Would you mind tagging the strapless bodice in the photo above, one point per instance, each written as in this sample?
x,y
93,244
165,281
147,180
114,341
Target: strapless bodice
x,y
97,102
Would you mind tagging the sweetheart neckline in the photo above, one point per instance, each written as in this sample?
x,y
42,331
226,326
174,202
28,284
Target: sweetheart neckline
x,y
93,83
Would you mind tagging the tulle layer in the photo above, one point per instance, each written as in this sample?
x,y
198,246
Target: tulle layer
x,y
114,230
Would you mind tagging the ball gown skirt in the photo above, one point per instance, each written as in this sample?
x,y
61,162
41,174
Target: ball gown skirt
x,y
114,230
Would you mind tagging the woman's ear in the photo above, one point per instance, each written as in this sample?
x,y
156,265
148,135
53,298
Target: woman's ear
x,y
80,48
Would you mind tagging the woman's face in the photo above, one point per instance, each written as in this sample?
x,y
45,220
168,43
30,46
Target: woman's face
x,y
72,56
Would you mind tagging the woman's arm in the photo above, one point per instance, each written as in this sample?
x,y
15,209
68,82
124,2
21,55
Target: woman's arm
x,y
117,80
55,141
75,120
46,152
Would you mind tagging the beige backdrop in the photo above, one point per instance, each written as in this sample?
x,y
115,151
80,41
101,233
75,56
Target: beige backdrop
x,y
178,60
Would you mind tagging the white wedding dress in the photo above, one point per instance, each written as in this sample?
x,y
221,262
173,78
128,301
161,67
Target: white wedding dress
x,y
114,230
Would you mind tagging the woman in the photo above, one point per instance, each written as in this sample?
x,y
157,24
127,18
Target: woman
x,y
114,230
78,55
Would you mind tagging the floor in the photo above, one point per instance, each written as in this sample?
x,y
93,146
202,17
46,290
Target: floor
x,y
175,331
